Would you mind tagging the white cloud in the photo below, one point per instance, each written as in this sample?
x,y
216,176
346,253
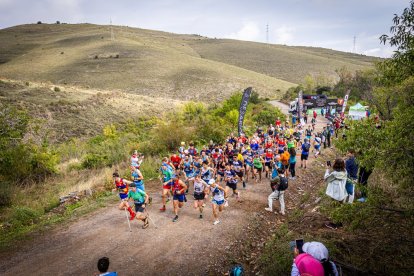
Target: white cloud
x,y
250,31
283,34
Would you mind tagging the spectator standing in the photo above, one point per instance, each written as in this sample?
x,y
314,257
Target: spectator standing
x,y
329,130
336,180
352,170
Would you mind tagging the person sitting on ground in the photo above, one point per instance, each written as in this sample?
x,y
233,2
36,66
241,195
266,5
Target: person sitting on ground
x,y
312,251
103,265
336,180
319,251
306,264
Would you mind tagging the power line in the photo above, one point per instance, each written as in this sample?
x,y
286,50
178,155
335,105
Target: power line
x,y
112,31
267,33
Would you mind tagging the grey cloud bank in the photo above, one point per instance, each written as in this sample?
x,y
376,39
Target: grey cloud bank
x,y
319,23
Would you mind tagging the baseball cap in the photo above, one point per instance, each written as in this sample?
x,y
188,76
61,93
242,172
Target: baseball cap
x,y
316,249
211,181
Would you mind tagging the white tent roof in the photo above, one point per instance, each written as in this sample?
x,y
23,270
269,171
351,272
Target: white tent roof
x,y
357,107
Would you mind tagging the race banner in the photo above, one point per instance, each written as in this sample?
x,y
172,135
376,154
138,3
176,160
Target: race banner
x,y
345,102
243,108
300,106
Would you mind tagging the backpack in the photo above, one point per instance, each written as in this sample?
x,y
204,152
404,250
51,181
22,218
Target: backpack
x,y
283,183
274,182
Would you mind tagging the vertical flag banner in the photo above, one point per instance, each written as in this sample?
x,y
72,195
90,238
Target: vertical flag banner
x,y
300,106
345,101
243,107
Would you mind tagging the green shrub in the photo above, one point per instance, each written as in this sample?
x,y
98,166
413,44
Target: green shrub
x,y
23,216
277,257
6,191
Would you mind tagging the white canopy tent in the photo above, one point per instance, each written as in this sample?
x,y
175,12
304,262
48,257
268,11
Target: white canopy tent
x,y
357,112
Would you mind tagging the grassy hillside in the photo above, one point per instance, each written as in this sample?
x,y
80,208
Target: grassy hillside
x,y
137,61
64,112
160,64
282,62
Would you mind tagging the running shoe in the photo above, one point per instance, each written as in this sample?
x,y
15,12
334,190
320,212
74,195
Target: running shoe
x,y
168,200
226,203
162,209
201,216
268,209
204,205
216,222
175,218
146,223
244,184
149,200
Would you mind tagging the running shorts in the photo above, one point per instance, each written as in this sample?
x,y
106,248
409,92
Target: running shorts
x,y
239,174
199,196
180,198
233,186
304,156
138,207
218,202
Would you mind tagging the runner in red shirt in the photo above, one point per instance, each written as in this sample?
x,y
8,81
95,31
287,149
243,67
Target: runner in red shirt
x,y
176,160
278,122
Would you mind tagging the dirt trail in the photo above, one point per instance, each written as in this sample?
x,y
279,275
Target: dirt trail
x,y
187,247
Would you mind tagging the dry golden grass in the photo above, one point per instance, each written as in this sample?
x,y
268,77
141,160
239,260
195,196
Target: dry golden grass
x,y
138,62
73,112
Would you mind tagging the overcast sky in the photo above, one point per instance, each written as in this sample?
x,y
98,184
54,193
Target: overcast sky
x,y
321,23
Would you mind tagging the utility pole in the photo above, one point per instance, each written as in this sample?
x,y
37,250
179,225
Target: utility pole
x,y
112,31
354,49
267,33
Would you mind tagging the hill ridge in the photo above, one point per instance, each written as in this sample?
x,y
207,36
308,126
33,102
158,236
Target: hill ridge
x,y
157,63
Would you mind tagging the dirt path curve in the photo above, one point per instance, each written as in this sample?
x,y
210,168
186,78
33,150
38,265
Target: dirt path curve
x,y
186,247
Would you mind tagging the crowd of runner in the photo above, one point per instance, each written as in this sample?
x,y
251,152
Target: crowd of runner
x,y
217,171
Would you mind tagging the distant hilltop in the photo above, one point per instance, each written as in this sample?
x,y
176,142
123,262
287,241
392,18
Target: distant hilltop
x,y
160,64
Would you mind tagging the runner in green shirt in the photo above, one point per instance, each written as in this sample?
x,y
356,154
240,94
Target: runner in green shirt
x,y
140,199
258,162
